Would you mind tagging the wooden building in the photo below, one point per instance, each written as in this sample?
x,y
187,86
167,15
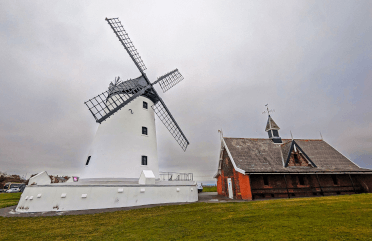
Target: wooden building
x,y
251,168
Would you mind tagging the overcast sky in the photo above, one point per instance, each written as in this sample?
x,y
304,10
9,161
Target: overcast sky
x,y
309,60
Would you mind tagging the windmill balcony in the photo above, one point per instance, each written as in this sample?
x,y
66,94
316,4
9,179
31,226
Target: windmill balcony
x,y
174,176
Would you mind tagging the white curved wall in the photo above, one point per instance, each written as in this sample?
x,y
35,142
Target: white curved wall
x,y
119,144
70,197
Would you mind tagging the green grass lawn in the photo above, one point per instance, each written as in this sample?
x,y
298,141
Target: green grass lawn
x,y
320,218
9,199
209,188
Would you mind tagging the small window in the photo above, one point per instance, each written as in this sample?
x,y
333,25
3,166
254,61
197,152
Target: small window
x,y
144,130
275,133
266,180
87,161
335,181
144,105
301,180
296,158
269,132
144,160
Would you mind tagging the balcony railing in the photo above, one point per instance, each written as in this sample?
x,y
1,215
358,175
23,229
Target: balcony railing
x,y
174,176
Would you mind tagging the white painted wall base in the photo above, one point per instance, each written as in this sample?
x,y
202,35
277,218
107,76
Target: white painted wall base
x,y
103,194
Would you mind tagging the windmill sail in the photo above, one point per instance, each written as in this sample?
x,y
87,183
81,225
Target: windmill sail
x,y
169,80
120,32
116,97
170,123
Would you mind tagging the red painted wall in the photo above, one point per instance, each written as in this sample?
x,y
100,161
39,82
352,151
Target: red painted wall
x,y
240,182
219,185
245,187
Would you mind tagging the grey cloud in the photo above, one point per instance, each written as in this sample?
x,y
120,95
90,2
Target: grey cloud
x,y
309,60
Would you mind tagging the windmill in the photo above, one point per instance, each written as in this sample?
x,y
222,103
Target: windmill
x,y
118,150
122,166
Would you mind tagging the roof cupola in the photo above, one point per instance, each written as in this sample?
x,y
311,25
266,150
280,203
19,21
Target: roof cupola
x,y
272,128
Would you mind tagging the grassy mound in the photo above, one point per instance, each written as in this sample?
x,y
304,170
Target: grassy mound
x,y
324,218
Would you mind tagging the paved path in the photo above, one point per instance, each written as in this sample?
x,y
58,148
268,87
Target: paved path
x,y
208,197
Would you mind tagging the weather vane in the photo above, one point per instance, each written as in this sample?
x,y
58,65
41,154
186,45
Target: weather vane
x,y
267,110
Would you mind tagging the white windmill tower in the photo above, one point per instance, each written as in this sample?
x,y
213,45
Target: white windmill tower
x,y
125,144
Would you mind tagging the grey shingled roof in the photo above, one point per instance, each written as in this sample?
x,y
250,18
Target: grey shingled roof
x,y
271,124
262,155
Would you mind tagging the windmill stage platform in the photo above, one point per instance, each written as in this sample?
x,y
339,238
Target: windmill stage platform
x,y
102,193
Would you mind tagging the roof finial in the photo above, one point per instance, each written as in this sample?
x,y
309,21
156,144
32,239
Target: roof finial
x,y
267,110
221,134
321,137
295,149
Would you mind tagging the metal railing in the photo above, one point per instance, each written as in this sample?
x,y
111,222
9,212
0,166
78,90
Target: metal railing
x,y
174,176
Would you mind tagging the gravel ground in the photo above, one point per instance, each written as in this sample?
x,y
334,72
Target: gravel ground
x,y
209,197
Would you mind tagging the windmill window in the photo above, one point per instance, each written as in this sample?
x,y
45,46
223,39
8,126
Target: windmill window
x,y
266,180
275,133
144,161
88,160
144,130
301,180
335,181
144,105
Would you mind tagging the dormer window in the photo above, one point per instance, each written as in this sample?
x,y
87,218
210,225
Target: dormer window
x,y
270,135
296,158
144,105
275,133
144,130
